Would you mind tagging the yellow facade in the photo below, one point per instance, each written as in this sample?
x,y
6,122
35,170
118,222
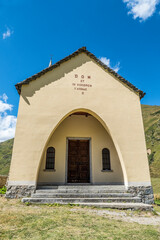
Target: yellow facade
x,y
79,85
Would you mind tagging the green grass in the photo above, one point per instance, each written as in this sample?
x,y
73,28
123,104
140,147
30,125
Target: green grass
x,y
157,202
156,209
5,156
156,185
151,119
156,191
19,221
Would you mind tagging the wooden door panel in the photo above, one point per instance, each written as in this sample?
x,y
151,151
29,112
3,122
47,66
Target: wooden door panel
x,y
84,160
78,161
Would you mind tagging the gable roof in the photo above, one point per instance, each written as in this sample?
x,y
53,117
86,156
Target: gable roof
x,y
92,56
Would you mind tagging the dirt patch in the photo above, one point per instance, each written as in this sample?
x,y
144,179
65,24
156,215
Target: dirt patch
x,y
3,180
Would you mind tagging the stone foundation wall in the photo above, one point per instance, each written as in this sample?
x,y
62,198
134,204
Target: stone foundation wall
x,y
3,180
20,191
145,192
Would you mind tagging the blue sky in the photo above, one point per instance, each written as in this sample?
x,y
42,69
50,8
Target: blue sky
x,y
125,34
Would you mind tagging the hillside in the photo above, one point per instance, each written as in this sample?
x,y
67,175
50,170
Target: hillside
x,y
5,156
151,117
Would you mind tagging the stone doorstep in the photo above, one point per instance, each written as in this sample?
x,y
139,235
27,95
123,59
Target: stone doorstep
x,y
83,186
131,206
76,190
81,195
80,200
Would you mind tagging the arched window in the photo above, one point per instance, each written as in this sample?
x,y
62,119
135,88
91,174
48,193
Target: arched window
x,y
106,159
50,158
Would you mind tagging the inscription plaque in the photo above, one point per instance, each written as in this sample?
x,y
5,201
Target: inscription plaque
x,y
81,83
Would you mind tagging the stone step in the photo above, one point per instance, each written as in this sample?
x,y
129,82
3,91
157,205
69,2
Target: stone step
x,y
120,206
78,191
83,187
112,205
80,200
49,194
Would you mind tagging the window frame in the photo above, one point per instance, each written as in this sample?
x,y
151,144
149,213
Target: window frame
x,y
106,160
50,160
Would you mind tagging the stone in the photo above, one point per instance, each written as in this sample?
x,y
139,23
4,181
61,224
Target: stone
x,y
145,192
19,191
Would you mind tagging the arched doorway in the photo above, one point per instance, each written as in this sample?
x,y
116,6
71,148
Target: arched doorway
x,y
78,142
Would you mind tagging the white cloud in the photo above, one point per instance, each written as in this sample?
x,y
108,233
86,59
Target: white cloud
x,y
141,9
116,67
108,63
4,97
5,107
7,33
7,122
105,61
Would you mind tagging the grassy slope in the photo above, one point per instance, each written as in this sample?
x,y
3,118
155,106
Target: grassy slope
x,y
156,185
151,116
5,156
19,221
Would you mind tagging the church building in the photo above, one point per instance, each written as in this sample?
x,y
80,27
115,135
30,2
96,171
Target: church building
x,y
79,124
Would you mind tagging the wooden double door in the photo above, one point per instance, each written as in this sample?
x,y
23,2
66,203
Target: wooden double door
x,y
78,161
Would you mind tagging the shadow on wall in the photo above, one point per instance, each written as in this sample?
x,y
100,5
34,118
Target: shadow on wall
x,y
50,77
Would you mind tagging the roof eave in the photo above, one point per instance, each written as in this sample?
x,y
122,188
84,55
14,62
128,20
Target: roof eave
x,y
91,55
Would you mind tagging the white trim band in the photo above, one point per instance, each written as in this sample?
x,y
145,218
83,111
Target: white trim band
x,y
14,183
136,184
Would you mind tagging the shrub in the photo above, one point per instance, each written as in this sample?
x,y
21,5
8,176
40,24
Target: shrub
x,y
3,190
27,203
151,158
